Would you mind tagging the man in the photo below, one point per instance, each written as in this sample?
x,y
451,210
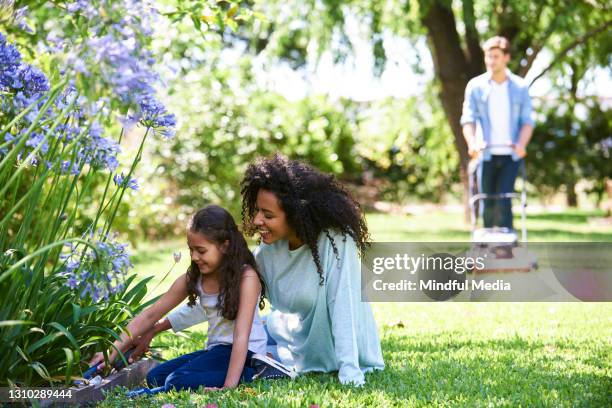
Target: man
x,y
497,127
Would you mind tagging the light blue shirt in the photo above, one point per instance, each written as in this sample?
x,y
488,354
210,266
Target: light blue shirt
x,y
320,328
476,107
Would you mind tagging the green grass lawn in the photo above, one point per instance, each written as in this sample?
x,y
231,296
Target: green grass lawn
x,y
440,354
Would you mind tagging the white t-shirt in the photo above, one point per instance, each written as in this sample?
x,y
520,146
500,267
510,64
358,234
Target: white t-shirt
x,y
220,330
499,114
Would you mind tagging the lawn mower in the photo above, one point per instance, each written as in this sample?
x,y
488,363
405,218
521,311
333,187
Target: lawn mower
x,y
500,247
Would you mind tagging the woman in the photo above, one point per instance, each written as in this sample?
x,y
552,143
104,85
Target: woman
x,y
312,233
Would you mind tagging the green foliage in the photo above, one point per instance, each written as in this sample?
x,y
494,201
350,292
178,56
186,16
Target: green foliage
x,y
210,14
567,147
223,131
228,115
63,275
42,330
409,146
53,330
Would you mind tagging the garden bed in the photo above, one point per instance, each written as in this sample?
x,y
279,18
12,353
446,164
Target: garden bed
x,y
130,376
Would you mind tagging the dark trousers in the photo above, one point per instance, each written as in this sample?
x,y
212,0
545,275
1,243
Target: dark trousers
x,y
497,176
207,368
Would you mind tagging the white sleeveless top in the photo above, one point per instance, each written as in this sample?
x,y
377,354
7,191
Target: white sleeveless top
x,y
220,330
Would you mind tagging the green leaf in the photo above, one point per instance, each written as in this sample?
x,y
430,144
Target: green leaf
x,y
89,309
14,322
196,22
69,362
232,11
150,302
22,354
76,313
41,370
140,288
47,339
37,330
66,333
231,24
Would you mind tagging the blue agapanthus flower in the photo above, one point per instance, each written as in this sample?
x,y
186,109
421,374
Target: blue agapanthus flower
x,y
81,6
37,139
98,273
115,55
121,180
29,80
99,151
16,76
68,166
22,85
153,114
10,58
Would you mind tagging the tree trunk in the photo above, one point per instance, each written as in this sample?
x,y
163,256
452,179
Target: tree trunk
x,y
572,198
608,206
453,71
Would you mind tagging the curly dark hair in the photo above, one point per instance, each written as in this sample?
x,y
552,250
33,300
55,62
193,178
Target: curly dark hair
x,y
313,203
218,226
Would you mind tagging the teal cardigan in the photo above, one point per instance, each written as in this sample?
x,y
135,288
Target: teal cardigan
x,y
320,328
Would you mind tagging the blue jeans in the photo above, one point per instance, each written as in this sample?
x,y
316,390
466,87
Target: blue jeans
x,y
497,176
207,368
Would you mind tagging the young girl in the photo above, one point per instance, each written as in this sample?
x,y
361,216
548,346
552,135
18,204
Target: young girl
x,y
224,288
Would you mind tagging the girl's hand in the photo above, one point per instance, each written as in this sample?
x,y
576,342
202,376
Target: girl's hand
x,y
142,345
97,358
